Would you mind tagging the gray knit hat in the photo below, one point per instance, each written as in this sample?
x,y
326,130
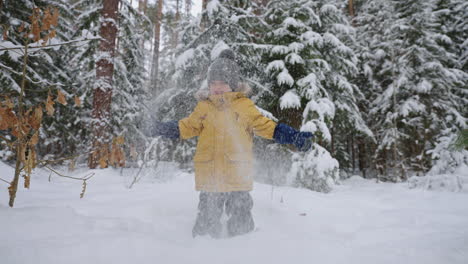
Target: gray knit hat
x,y
224,68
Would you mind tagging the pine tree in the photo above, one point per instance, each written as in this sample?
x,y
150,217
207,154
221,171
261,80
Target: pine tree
x,y
129,74
130,77
415,86
45,72
311,64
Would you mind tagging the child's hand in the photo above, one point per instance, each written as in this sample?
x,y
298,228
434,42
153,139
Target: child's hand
x,y
167,129
303,141
285,134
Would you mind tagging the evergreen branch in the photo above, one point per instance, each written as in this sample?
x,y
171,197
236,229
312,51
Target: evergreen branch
x,y
200,38
48,46
76,46
27,78
13,50
9,69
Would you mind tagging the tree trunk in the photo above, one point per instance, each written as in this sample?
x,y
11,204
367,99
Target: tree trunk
x,y
351,8
155,61
145,6
332,143
102,95
175,32
362,156
140,5
204,20
188,7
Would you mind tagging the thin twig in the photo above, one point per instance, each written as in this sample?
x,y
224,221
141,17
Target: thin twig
x,y
70,177
4,181
48,46
9,69
136,179
27,78
7,140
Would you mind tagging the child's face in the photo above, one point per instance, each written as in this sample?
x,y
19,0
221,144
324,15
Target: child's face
x,y
219,87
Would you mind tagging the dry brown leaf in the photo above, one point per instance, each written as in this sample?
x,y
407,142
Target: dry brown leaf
x,y
36,118
8,118
25,128
28,112
52,34
50,105
4,125
112,158
55,17
104,156
21,28
36,31
27,181
117,156
8,103
133,152
29,165
121,158
20,130
11,118
22,149
77,101
103,162
15,132
120,140
33,157
44,40
34,139
61,98
46,21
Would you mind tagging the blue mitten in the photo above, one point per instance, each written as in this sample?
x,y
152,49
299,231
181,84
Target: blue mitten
x,y
304,141
167,129
285,134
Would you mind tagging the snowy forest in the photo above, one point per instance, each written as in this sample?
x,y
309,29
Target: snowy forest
x,y
381,84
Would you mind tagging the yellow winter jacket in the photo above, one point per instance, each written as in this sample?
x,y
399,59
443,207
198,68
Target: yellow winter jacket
x,y
225,125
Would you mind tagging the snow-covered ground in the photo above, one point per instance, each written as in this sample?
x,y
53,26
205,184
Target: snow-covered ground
x,y
359,222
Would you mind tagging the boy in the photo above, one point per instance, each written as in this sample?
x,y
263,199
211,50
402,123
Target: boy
x,y
225,121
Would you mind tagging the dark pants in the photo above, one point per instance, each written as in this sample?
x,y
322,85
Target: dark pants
x,y
238,207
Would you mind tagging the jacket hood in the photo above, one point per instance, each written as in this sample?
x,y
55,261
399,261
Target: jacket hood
x,y
204,92
225,99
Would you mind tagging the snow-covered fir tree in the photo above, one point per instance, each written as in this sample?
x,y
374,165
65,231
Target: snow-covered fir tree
x,y
414,82
46,71
127,108
310,64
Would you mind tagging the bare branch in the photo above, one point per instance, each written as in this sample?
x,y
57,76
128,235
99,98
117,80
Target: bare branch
x,y
85,178
4,180
7,140
51,45
136,178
